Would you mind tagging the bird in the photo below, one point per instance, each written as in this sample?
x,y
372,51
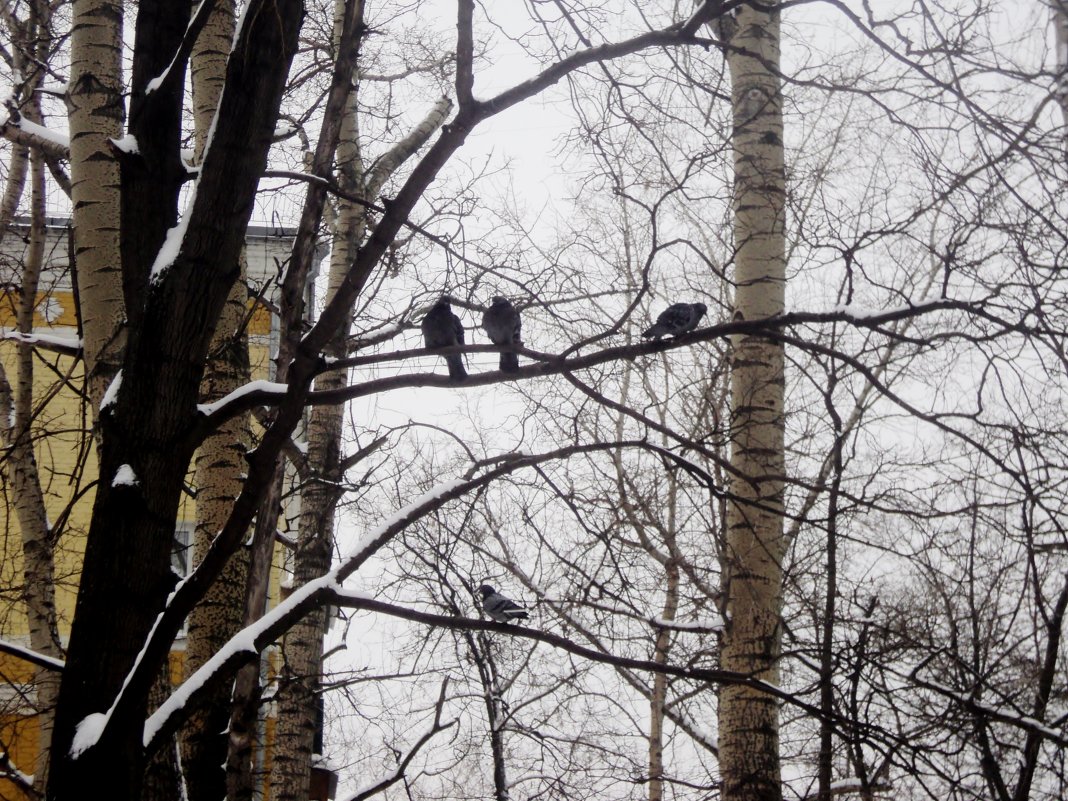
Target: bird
x,y
502,325
442,329
499,608
676,319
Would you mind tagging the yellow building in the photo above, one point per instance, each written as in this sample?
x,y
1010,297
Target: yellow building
x,y
65,457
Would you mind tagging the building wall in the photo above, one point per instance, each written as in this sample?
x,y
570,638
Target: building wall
x,y
66,458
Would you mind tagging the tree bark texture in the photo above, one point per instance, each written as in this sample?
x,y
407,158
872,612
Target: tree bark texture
x,y
220,464
748,718
95,114
17,168
151,423
658,697
300,685
22,474
1060,36
220,460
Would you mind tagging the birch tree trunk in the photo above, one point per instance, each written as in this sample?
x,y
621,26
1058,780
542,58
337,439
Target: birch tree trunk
x,y
658,698
300,690
21,472
303,645
31,45
1060,37
220,461
95,116
17,167
748,719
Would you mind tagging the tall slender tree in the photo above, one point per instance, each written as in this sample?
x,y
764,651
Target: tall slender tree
x,y
755,548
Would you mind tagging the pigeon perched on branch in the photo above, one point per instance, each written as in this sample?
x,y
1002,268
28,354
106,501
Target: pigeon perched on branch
x,y
442,329
678,318
502,325
499,608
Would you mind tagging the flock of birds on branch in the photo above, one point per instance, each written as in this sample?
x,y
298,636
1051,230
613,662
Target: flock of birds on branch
x,y
502,324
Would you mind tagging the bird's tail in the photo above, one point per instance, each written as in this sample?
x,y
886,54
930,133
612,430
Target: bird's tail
x,y
509,363
656,331
456,367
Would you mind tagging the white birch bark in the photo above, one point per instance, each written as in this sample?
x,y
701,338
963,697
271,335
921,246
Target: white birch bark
x,y
22,474
748,719
95,115
17,167
1059,9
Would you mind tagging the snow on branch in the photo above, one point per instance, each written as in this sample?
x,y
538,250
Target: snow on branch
x,y
260,388
22,131
248,642
243,646
70,346
13,774
89,730
192,31
968,701
31,656
112,392
172,243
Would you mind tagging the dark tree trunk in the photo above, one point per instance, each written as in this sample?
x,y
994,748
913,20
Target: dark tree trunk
x,y
149,425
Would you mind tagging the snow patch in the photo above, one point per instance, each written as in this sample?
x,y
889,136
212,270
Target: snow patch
x,y
858,312
284,128
125,477
112,392
187,156
172,245
127,144
865,313
88,733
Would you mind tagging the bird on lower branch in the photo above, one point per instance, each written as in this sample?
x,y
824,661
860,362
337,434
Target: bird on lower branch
x,y
500,608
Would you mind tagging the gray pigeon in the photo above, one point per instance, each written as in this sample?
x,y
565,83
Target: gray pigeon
x,y
502,325
442,329
678,318
499,608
